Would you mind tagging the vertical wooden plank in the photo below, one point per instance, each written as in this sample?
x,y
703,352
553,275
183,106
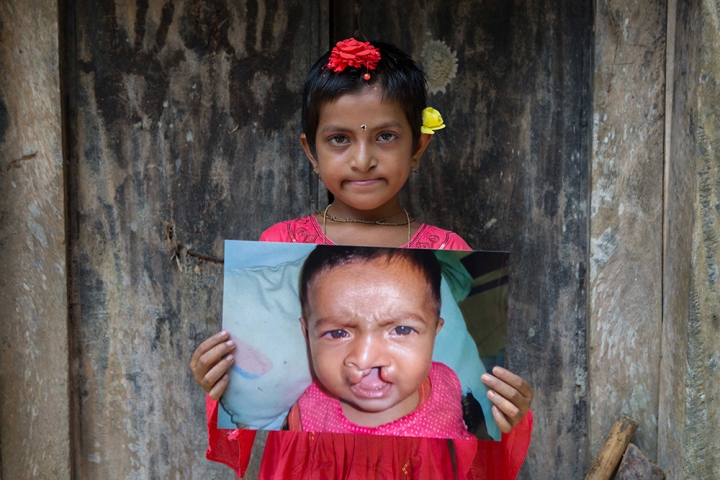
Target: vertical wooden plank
x,y
690,380
627,217
702,442
510,173
34,419
689,426
677,254
184,131
703,422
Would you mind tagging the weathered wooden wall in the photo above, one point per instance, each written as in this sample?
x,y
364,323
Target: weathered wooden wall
x,y
655,230
184,132
510,173
689,444
158,88
626,217
34,407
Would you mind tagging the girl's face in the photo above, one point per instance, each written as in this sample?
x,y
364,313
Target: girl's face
x,y
371,329
364,152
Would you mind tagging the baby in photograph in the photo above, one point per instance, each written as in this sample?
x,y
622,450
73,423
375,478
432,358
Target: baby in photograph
x,y
370,317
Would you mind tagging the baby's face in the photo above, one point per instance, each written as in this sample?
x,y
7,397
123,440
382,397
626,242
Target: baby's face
x,y
371,329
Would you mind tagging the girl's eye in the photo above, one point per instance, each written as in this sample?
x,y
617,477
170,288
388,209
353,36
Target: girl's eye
x,y
336,334
403,330
337,140
387,137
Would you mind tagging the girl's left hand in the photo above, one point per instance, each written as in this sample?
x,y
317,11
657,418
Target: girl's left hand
x,y
511,397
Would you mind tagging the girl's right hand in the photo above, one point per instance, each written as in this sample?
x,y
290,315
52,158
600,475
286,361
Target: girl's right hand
x,y
210,363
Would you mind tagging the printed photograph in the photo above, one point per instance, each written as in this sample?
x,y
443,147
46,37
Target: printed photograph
x,y
363,340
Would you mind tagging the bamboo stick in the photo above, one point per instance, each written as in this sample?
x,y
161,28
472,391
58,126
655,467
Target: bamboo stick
x,y
612,451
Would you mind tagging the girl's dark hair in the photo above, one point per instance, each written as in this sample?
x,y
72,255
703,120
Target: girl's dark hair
x,y
326,257
401,79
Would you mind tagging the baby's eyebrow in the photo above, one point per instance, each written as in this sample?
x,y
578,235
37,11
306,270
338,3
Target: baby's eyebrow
x,y
400,318
324,322
394,318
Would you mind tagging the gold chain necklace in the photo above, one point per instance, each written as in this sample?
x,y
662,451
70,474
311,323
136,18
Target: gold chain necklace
x,y
382,221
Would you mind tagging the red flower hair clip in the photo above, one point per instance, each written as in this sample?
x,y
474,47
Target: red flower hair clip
x,y
351,53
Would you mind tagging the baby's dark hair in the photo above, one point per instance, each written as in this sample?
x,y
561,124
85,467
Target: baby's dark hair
x,y
327,257
400,78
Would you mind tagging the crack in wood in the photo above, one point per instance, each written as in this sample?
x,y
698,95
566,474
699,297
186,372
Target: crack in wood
x,y
16,163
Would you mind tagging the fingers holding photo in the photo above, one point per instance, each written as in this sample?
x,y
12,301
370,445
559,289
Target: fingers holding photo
x,y
511,397
210,363
218,388
509,383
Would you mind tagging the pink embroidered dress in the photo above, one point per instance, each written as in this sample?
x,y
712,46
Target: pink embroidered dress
x,y
438,416
316,456
308,230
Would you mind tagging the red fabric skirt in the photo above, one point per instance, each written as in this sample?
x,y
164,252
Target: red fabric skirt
x,y
317,456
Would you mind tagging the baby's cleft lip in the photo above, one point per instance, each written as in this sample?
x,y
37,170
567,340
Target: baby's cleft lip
x,y
371,386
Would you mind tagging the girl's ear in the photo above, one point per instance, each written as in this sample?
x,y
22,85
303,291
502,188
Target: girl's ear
x,y
423,142
308,152
304,327
440,323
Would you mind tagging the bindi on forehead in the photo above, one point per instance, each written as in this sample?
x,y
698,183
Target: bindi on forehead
x,y
369,125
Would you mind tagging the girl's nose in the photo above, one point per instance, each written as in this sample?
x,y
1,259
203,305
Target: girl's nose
x,y
366,353
363,157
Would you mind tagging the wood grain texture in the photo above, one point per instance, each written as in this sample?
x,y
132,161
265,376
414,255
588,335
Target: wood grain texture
x,y
34,416
689,412
627,217
510,173
184,132
679,220
701,119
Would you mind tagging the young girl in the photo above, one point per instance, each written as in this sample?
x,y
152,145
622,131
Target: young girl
x,y
365,128
370,317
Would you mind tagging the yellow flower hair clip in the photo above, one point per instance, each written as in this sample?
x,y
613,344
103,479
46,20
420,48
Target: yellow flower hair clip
x,y
432,120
